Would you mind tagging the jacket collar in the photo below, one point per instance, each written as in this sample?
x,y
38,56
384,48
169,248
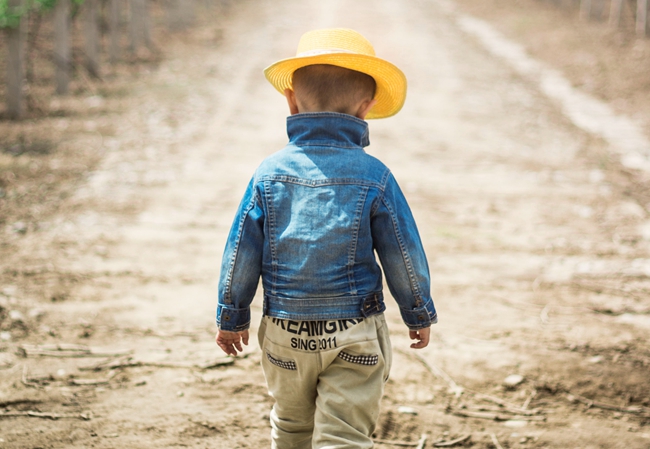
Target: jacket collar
x,y
328,129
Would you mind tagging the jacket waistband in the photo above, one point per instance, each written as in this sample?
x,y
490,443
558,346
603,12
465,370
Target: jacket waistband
x,y
328,308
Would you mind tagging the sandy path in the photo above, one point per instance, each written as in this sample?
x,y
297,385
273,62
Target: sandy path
x,y
514,203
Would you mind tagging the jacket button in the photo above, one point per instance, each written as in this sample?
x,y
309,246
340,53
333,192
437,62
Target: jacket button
x,y
226,318
421,317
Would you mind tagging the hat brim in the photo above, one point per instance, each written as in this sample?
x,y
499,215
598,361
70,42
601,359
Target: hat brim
x,y
391,82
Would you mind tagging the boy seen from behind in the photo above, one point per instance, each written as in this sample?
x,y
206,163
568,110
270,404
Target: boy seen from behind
x,y
310,223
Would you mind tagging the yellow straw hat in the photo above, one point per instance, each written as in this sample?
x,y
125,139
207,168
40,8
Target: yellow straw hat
x,y
349,49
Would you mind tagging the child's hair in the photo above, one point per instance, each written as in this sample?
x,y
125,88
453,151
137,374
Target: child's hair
x,y
331,88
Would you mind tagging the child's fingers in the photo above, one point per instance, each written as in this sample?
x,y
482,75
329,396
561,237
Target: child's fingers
x,y
244,337
227,348
230,342
422,335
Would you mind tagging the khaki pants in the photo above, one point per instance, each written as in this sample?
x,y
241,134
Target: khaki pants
x,y
327,379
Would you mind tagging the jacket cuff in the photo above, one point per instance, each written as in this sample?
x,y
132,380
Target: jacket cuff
x,y
232,319
421,317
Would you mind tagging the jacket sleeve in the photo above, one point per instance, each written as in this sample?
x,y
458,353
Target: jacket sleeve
x,y
399,247
241,264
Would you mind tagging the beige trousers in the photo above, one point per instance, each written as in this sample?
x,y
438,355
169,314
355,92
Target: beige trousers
x,y
327,379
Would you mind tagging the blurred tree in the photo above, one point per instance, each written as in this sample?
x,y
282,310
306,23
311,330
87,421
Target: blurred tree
x,y
16,32
114,31
62,53
585,9
615,12
180,13
642,17
91,36
139,28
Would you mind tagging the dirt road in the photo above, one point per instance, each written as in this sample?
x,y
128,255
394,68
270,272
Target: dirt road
x,y
538,251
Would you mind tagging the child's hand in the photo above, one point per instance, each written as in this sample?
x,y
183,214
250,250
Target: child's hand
x,y
422,335
230,342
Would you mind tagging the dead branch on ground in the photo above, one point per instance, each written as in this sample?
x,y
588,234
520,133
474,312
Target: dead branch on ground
x,y
129,362
12,402
451,443
207,425
572,397
528,399
495,441
456,389
53,416
66,351
506,406
495,416
506,411
90,382
483,408
30,382
397,443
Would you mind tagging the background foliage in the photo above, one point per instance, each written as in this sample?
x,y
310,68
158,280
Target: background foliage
x,y
9,17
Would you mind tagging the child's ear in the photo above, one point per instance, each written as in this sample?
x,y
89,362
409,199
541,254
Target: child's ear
x,y
291,100
364,108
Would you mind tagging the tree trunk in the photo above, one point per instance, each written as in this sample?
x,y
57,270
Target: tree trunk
x,y
147,24
585,9
62,46
641,17
139,27
615,12
15,65
91,31
114,31
180,14
32,37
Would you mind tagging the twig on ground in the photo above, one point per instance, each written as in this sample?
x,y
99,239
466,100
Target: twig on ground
x,y
495,441
29,382
397,443
129,362
66,351
12,402
572,397
456,389
528,399
422,442
53,416
89,382
459,390
207,425
481,408
152,333
450,443
120,362
497,416
543,316
511,408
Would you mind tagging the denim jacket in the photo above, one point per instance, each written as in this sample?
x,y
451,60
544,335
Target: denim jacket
x,y
310,223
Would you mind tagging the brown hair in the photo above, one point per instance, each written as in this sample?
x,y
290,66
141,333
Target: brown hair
x,y
327,87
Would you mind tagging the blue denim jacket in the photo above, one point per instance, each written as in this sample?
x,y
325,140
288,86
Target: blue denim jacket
x,y
309,224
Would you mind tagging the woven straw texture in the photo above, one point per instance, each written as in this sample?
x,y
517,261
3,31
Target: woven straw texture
x,y
348,49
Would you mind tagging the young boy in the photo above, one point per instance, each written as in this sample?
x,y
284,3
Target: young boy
x,y
310,223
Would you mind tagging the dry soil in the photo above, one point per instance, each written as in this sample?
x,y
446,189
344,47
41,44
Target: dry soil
x,y
116,208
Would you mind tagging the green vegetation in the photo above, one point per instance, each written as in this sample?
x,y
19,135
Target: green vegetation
x,y
10,16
